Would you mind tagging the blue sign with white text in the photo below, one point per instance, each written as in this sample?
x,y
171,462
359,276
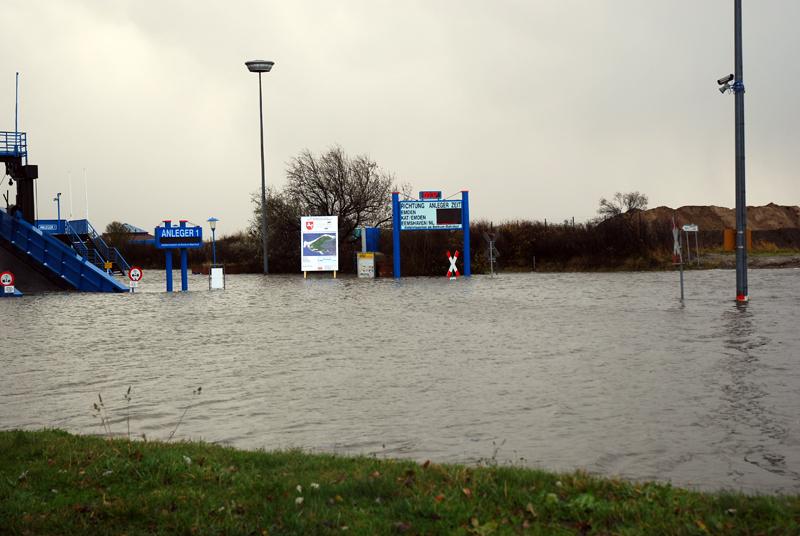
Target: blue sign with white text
x,y
179,237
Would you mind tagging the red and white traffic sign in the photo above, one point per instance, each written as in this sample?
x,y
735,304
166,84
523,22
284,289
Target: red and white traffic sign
x,y
135,273
452,273
6,279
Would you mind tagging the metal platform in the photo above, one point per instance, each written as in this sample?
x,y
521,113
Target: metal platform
x,y
13,145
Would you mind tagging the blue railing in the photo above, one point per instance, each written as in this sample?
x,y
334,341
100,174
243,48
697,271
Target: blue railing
x,y
77,243
108,253
13,144
50,253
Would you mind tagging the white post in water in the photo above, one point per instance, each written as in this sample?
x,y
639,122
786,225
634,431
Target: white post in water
x,y
677,251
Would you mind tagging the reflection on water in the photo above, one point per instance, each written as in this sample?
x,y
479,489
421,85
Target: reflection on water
x,y
606,372
744,412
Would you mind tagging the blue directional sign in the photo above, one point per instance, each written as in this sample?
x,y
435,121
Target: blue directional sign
x,y
169,237
430,213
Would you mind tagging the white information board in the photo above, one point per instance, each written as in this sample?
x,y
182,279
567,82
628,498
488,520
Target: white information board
x,y
319,244
430,215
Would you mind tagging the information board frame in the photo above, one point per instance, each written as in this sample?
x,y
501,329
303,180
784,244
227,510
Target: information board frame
x,y
397,227
316,233
179,237
425,215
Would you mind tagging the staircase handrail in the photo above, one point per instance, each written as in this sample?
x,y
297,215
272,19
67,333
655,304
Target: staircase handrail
x,y
107,252
77,243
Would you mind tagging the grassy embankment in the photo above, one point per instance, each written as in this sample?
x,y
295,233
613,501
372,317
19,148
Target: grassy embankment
x,y
52,482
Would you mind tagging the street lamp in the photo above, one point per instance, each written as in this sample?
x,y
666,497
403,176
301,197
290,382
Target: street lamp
x,y
212,222
735,83
57,199
261,66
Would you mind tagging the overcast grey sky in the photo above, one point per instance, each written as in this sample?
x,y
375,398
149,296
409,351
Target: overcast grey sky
x,y
538,107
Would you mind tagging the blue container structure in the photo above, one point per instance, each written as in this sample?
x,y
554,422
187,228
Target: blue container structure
x,y
373,238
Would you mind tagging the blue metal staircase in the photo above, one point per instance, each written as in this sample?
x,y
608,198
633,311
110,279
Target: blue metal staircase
x,y
58,258
104,252
87,242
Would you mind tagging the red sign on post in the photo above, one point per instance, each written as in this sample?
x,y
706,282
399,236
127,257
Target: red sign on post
x,y
6,279
135,273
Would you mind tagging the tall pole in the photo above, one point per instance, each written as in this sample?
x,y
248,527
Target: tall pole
x,y
465,226
213,247
741,205
396,233
58,212
16,106
16,114
263,181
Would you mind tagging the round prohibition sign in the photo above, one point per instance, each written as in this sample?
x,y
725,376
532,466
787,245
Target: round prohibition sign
x,y
135,273
6,279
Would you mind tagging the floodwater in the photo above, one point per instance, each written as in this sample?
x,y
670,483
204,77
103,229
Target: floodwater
x,y
605,372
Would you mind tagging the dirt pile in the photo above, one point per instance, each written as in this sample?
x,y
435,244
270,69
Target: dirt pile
x,y
770,217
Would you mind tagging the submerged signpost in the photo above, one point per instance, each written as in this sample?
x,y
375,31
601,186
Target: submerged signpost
x,y
492,252
135,275
692,228
181,237
430,213
7,285
677,251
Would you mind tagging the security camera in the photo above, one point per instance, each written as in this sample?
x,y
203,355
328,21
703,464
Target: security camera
x,y
725,88
725,80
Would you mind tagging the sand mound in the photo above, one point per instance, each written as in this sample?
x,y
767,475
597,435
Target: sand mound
x,y
710,218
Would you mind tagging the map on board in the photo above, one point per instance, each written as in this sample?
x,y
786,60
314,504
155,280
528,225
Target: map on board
x,y
319,244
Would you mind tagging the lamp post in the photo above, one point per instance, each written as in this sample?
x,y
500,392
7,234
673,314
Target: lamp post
x,y
261,66
57,199
212,222
741,205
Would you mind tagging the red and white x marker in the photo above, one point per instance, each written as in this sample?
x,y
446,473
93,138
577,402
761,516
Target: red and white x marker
x,y
452,273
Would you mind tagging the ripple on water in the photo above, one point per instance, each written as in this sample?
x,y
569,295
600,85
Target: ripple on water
x,y
606,372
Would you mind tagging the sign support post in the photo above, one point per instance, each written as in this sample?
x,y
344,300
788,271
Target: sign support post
x,y
181,238
465,225
168,267
184,270
396,233
677,251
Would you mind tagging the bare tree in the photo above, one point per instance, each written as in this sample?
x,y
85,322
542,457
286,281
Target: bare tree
x,y
117,234
621,203
353,188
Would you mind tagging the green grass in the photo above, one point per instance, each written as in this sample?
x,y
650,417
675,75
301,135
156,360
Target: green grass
x,y
52,482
